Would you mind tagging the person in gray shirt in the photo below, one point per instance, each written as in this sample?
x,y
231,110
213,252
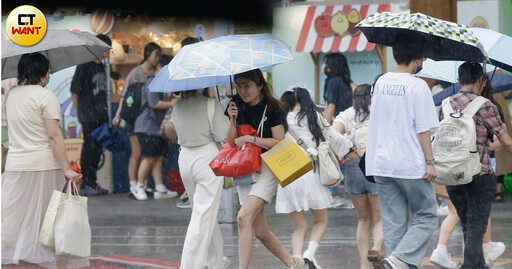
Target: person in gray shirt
x,y
153,145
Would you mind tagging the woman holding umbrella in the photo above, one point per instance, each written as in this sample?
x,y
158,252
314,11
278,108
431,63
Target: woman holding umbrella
x,y
254,99
36,164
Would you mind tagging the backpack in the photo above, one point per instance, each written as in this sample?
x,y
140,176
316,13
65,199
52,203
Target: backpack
x,y
454,145
132,103
360,138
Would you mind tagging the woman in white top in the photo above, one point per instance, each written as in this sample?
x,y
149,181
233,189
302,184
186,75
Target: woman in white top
x,y
362,192
36,164
200,123
307,192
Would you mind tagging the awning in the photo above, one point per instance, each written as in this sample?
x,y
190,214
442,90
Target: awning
x,y
332,28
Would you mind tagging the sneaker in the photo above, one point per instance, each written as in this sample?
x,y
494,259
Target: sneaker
x,y
393,262
336,201
150,190
493,250
165,194
442,211
226,262
89,191
375,258
140,194
101,190
184,204
184,196
442,259
299,263
310,261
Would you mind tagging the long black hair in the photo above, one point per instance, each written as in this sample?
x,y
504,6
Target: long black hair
x,y
488,92
362,101
308,109
32,67
338,66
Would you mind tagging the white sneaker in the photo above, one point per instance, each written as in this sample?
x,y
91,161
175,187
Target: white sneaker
x,y
165,195
310,261
393,262
140,194
442,210
442,259
336,201
226,262
493,250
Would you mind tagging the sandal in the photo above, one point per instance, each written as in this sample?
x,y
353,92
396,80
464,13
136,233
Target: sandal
x,y
375,259
498,197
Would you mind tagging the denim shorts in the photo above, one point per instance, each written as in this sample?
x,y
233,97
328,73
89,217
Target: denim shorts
x,y
355,182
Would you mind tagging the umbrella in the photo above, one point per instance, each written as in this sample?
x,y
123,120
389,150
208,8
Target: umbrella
x,y
500,83
217,60
444,40
444,70
497,46
63,48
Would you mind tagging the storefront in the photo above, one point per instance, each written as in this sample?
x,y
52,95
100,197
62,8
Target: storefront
x,y
316,30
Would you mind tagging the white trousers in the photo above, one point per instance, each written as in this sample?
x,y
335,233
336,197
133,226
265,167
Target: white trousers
x,y
203,243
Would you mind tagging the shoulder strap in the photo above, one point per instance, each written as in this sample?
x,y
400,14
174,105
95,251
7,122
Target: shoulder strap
x,y
375,81
447,107
474,106
299,141
260,126
210,107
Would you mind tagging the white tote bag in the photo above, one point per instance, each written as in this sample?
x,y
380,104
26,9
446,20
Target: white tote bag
x,y
46,232
72,232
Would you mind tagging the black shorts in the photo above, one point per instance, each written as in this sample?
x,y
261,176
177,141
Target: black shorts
x,y
152,145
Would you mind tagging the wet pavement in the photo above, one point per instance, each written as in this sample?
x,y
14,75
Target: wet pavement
x,y
150,234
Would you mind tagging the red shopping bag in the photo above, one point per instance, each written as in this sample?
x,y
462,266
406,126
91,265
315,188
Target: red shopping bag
x,y
234,162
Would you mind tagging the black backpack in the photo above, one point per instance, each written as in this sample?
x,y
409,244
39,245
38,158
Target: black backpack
x,y
132,103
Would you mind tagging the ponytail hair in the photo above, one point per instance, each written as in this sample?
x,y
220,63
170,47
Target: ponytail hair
x,y
148,49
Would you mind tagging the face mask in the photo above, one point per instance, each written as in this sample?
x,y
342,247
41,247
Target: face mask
x,y
47,81
417,69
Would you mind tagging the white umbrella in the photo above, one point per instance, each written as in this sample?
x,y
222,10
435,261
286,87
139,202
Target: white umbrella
x,y
497,46
63,48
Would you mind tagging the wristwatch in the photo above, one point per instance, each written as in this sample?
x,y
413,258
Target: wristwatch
x,y
431,162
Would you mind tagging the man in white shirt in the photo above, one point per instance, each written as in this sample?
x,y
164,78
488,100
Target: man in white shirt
x,y
399,155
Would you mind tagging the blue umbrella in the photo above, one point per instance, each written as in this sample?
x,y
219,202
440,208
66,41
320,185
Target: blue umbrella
x,y
217,60
500,83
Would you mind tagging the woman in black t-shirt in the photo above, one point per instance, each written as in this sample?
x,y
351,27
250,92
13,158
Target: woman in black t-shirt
x,y
253,95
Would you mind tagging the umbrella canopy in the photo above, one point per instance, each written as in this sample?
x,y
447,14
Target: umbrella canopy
x,y
444,40
497,46
441,70
217,60
500,83
63,48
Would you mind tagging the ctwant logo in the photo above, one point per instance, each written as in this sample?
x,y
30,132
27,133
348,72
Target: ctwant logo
x,y
26,25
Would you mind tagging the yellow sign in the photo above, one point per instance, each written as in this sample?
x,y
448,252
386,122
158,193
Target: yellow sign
x,y
26,25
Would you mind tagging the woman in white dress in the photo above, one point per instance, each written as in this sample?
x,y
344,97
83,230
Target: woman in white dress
x,y
36,166
307,192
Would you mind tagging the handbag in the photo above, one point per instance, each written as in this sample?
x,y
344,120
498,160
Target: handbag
x,y
234,162
46,232
330,172
362,166
72,231
167,128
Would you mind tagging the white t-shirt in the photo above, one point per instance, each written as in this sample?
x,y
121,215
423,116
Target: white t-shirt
x,y
29,146
402,107
347,118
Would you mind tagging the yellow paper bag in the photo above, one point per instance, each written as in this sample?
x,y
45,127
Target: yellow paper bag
x,y
287,161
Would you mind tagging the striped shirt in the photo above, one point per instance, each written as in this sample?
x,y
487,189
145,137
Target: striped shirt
x,y
487,120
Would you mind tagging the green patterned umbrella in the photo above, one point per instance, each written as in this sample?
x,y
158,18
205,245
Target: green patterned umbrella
x,y
444,40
